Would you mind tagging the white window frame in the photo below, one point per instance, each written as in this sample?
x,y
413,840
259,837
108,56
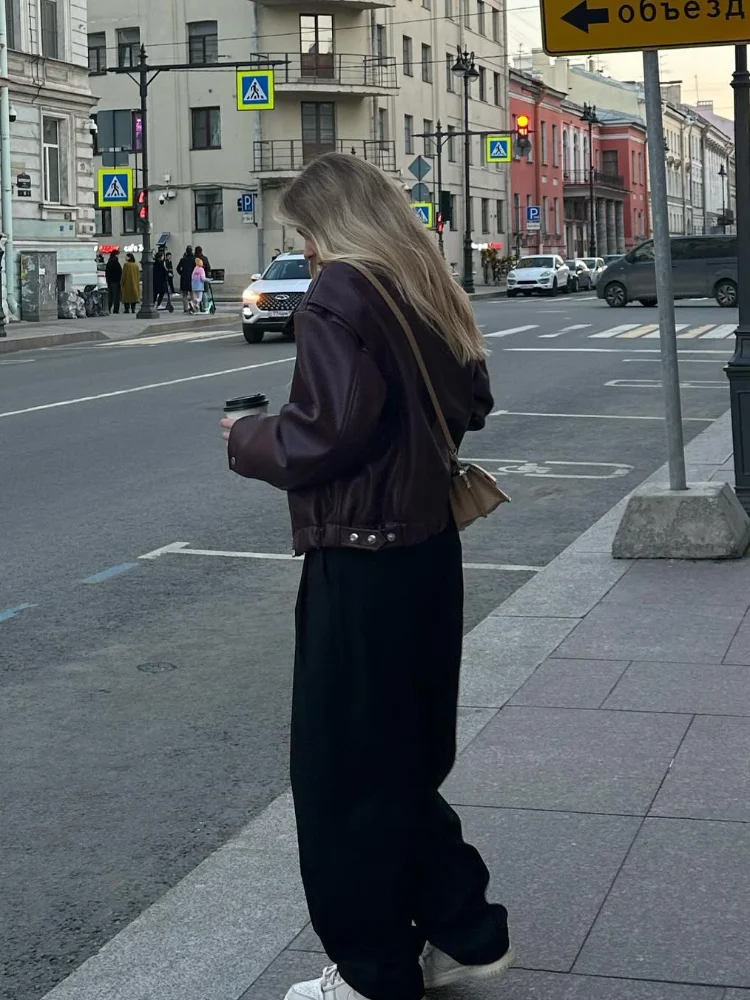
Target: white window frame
x,y
63,124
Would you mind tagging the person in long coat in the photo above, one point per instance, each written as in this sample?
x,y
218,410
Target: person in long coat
x,y
131,284
161,282
113,275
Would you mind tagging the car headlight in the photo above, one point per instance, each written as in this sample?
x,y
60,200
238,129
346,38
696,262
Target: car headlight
x,y
512,275
249,297
546,274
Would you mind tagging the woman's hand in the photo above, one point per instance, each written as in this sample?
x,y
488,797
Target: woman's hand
x,y
226,427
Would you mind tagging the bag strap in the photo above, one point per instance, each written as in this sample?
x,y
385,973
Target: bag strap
x,y
389,301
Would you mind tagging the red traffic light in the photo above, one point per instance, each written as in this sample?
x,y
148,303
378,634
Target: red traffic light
x,y
440,225
142,205
522,126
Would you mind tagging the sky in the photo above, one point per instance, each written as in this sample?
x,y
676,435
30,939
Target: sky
x,y
705,73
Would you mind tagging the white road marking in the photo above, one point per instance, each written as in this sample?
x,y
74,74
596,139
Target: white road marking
x,y
610,350
593,416
142,388
513,329
720,332
697,331
614,331
652,383
184,336
548,469
640,331
182,548
657,333
19,361
685,361
566,329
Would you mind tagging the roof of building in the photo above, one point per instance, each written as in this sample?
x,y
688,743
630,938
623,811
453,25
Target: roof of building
x,y
724,125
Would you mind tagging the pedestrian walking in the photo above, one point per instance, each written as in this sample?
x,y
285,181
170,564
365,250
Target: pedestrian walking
x,y
395,893
161,282
198,284
170,273
113,275
131,284
207,268
185,268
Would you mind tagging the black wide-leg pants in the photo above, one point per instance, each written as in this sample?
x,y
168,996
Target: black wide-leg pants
x,y
383,860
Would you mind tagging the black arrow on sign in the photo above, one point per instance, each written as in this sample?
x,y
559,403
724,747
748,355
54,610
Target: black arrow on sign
x,y
582,16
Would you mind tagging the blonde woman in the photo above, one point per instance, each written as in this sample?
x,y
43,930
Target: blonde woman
x,y
396,895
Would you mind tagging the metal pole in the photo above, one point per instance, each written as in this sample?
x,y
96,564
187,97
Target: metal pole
x,y
468,282
664,288
592,203
439,140
147,310
723,200
738,369
2,311
6,182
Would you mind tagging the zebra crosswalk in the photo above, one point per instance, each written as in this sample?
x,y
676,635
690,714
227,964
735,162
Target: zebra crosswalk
x,y
627,331
184,336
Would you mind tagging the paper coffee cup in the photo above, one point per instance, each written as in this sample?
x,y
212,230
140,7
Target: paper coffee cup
x,y
246,406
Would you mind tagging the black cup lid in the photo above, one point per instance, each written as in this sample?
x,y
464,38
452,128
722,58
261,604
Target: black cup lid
x,y
246,402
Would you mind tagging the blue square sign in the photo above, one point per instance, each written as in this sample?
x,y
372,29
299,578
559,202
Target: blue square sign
x,y
115,187
255,90
498,149
533,213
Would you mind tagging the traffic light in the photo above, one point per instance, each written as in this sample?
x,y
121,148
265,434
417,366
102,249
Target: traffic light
x,y
143,206
440,224
523,143
446,206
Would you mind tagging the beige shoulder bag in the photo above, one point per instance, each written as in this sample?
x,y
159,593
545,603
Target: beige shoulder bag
x,y
474,493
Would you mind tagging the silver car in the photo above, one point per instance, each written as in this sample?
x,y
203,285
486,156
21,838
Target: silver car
x,y
271,298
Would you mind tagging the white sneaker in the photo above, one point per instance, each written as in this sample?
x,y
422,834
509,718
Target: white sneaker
x,y
441,970
330,986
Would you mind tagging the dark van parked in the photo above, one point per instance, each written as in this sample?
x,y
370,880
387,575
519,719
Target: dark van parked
x,y
702,267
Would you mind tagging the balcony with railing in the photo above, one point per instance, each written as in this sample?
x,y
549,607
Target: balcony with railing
x,y
603,182
282,158
334,73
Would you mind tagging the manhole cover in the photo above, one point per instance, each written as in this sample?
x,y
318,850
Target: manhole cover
x,y
156,668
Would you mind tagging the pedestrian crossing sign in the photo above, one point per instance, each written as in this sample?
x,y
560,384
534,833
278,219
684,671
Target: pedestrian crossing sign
x,y
498,149
116,187
425,212
255,90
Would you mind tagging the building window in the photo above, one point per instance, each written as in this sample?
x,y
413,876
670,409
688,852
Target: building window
x,y
429,143
481,26
555,149
544,142
497,92
50,29
454,214
449,9
465,14
203,42
426,63
381,42
98,52
382,125
500,216
128,46
407,59
129,221
209,210
137,131
408,134
451,144
485,215
545,214
558,228
482,84
516,213
103,221
495,24
205,128
51,160
316,45
450,76
10,18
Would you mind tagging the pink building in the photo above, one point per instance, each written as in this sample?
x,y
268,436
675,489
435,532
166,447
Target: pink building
x,y
558,175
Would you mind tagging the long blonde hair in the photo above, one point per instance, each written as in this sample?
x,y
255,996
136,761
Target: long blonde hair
x,y
352,211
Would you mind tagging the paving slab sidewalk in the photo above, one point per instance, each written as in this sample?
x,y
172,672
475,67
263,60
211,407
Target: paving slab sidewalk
x,y
605,739
30,336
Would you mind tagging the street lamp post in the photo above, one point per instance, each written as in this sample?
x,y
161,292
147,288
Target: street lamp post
x,y
723,175
738,369
464,66
2,311
589,116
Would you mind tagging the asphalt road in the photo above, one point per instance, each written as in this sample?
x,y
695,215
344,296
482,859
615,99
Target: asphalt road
x,y
144,702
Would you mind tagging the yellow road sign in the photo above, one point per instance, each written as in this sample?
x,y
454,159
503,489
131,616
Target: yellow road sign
x,y
578,27
425,212
255,90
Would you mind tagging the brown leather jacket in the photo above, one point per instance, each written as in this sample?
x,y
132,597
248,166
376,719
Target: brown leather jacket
x,y
357,448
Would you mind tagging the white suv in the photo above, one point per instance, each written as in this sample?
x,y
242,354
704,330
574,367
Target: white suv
x,y
543,273
272,297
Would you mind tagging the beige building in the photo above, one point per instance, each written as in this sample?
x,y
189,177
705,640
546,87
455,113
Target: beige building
x,y
360,76
49,158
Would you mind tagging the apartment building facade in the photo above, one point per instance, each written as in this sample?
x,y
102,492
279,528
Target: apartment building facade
x,y
566,156
364,77
51,155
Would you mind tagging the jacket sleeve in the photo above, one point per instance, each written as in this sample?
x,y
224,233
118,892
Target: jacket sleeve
x,y
323,433
179,266
483,400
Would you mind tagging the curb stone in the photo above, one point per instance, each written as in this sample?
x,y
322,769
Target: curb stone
x,y
11,345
